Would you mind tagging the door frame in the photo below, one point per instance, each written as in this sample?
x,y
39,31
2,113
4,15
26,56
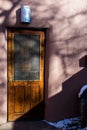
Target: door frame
x,y
29,29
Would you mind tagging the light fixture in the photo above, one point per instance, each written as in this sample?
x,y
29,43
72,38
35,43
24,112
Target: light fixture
x,y
25,14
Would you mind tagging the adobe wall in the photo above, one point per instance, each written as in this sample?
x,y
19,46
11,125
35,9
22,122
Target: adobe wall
x,y
66,47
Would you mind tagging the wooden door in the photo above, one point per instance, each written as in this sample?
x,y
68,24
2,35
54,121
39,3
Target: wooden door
x,y
25,74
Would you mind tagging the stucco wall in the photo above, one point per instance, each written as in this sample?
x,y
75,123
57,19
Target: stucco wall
x,y
66,47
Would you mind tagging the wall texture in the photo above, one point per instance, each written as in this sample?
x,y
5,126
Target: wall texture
x,y
66,47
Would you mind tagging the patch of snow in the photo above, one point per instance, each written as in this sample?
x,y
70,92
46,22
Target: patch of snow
x,y
82,90
68,124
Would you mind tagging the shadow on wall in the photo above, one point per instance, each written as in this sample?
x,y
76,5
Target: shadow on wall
x,y
68,97
6,14
66,103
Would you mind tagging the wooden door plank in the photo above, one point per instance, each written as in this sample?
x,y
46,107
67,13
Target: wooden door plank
x,y
19,99
27,98
35,95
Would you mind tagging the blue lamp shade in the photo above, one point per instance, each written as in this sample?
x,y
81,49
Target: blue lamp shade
x,y
25,14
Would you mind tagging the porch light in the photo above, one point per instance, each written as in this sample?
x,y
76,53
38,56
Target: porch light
x,y
25,14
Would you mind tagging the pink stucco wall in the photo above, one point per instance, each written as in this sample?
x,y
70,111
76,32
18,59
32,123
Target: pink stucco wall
x,y
66,47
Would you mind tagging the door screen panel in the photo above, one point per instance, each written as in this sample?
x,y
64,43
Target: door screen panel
x,y
26,57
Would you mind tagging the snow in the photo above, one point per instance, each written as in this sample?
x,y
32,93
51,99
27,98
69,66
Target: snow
x,y
69,124
82,90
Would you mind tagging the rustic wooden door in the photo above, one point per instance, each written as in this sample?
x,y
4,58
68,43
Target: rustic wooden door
x,y
25,74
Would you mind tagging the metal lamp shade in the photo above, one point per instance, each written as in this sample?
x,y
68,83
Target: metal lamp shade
x,y
25,14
